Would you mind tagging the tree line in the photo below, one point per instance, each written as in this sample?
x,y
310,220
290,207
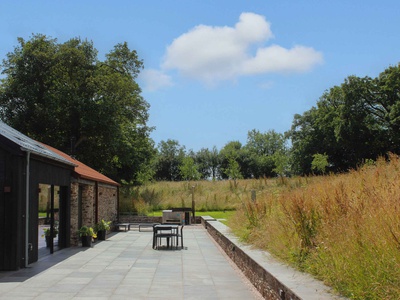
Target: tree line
x,y
63,95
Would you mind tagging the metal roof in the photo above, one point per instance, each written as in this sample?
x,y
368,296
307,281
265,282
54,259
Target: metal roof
x,y
29,145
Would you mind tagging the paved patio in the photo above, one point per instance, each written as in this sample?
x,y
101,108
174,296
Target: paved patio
x,y
126,267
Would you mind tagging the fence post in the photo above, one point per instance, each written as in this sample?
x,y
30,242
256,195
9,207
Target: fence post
x,y
253,195
193,206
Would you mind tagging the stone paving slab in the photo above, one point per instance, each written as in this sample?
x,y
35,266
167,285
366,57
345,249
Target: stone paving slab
x,y
126,267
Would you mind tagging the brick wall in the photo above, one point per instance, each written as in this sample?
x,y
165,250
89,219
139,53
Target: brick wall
x,y
107,205
74,214
273,279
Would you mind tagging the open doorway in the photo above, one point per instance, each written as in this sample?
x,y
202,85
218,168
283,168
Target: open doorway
x,y
49,218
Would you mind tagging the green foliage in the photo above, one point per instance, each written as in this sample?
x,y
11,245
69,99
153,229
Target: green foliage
x,y
61,94
353,122
169,157
319,163
86,231
47,232
102,225
281,160
188,169
233,171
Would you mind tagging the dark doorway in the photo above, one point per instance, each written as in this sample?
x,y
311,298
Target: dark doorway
x,y
49,219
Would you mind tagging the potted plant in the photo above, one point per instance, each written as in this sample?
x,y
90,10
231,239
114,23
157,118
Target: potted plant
x,y
46,234
86,234
101,229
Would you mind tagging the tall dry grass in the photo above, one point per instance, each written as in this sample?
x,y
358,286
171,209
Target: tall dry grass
x,y
344,229
208,195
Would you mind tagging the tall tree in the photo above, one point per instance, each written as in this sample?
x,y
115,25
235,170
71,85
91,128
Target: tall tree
x,y
208,162
353,122
261,149
232,151
169,157
62,95
189,169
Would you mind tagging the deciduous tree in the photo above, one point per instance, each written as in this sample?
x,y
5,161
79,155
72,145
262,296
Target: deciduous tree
x,y
63,95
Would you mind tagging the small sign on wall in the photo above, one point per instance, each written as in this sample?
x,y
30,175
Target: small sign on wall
x,y
7,189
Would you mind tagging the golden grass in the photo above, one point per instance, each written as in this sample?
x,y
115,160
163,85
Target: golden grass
x,y
208,195
344,229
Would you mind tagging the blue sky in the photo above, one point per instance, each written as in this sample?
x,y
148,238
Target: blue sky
x,y
215,70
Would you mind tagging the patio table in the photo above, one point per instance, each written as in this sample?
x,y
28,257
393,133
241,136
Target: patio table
x,y
168,231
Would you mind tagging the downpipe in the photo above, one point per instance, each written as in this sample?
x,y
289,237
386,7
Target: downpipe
x,y
27,246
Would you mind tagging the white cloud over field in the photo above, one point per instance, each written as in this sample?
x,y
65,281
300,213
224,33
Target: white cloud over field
x,y
212,53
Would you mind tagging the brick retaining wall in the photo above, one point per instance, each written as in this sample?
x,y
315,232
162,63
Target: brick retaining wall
x,y
271,278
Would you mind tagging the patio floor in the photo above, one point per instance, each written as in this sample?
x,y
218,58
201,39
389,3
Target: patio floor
x,y
126,267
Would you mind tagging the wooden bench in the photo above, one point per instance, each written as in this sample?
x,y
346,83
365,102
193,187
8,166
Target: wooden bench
x,y
126,226
134,226
173,221
147,225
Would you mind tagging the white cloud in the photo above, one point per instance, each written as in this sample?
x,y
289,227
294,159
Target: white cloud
x,y
212,54
278,59
154,79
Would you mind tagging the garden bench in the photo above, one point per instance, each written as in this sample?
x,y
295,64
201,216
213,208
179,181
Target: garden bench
x,y
147,225
126,226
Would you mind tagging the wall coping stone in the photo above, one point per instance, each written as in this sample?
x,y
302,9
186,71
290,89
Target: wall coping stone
x,y
271,278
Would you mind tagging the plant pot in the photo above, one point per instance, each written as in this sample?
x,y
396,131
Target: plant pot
x,y
101,235
86,241
48,241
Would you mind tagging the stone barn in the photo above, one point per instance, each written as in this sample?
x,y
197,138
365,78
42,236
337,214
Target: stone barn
x,y
93,197
31,172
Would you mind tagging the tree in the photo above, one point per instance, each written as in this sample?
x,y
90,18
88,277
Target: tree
x,y
188,169
62,95
319,163
353,122
208,163
261,149
233,171
281,160
231,151
169,157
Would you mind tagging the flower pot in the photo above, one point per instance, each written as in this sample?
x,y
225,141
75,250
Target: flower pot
x,y
101,235
48,241
86,241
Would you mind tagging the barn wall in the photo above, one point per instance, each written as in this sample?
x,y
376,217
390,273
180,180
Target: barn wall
x,y
45,173
12,191
107,205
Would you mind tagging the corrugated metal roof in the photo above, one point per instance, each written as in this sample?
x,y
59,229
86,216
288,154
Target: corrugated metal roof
x,y
83,170
29,145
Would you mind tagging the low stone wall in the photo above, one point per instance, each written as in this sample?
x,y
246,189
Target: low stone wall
x,y
138,219
271,278
145,219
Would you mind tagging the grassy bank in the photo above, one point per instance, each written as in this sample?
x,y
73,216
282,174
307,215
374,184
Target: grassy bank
x,y
345,229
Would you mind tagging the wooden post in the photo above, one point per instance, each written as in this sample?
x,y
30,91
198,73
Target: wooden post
x,y
193,206
253,195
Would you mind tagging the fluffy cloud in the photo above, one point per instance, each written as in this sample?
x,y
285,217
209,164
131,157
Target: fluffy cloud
x,y
154,79
212,54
